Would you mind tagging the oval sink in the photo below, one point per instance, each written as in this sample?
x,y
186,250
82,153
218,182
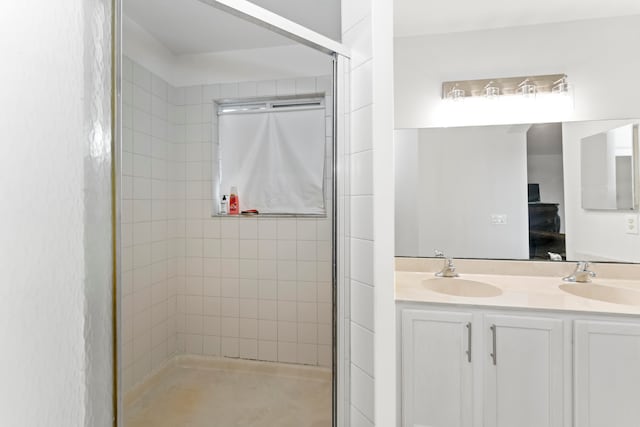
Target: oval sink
x,y
602,293
462,287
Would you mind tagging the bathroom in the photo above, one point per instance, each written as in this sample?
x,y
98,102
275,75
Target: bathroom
x,y
390,82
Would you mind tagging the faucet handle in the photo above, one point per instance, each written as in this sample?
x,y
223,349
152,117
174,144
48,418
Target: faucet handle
x,y
582,265
438,253
581,274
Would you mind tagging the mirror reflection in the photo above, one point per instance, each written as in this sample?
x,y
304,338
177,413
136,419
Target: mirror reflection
x,y
517,191
607,169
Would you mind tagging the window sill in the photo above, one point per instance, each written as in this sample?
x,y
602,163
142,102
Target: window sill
x,y
271,215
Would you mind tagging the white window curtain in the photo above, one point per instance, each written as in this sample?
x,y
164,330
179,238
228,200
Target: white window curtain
x,y
275,158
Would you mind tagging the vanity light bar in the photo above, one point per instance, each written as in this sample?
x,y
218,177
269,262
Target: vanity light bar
x,y
504,86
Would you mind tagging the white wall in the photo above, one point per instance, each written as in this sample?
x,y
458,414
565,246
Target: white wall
x,y
367,27
55,255
593,234
407,193
595,54
149,265
254,288
465,176
241,287
193,284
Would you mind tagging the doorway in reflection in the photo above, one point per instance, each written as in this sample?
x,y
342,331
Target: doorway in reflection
x,y
545,188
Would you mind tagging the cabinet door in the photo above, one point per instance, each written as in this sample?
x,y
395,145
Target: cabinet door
x,y
607,374
524,384
436,369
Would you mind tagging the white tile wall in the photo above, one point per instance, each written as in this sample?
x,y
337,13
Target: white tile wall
x,y
266,283
357,33
148,294
255,288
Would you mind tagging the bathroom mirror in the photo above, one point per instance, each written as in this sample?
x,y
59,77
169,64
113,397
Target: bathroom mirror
x,y
510,192
608,169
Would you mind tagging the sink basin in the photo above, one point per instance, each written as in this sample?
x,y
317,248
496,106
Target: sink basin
x,y
602,293
462,287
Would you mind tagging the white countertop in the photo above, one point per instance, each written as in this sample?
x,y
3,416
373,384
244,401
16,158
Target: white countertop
x,y
518,290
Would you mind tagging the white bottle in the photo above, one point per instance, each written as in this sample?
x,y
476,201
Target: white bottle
x,y
224,205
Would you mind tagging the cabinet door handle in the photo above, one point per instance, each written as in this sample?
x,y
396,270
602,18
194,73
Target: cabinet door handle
x,y
469,342
494,355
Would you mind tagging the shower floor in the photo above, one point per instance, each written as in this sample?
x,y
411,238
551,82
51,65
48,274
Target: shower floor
x,y
226,392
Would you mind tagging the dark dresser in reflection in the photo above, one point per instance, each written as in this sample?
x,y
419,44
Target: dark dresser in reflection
x,y
544,231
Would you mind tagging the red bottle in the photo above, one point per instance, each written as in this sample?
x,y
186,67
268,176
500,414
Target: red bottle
x,y
234,202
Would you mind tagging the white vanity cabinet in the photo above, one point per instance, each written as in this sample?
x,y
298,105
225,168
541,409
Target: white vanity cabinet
x,y
523,375
606,374
437,377
468,368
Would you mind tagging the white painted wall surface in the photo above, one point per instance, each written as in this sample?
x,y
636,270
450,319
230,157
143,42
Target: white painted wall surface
x,y
595,54
383,232
593,234
55,255
407,196
465,176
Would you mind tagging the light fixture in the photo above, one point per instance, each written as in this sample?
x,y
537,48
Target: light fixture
x,y
491,91
526,86
455,94
561,85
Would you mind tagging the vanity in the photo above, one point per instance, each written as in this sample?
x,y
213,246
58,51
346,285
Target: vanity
x,y
517,189
511,344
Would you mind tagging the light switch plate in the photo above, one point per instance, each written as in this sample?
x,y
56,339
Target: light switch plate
x,y
631,224
498,219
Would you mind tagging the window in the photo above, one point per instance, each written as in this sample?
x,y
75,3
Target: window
x,y
274,153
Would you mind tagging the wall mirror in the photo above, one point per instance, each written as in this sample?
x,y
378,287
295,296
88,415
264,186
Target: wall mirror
x,y
503,177
608,167
515,191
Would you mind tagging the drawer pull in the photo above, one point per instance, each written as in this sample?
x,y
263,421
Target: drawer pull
x,y
469,342
494,355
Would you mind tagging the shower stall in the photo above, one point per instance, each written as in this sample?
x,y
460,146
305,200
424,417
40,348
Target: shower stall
x,y
228,319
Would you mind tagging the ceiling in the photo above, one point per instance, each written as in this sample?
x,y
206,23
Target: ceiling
x,y
418,17
192,27
321,16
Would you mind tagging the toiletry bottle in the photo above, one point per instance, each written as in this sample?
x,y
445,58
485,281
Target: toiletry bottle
x,y
234,202
223,205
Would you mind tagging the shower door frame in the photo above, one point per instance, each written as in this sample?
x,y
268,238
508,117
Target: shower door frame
x,y
340,200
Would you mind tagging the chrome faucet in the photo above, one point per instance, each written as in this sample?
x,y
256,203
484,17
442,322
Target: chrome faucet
x,y
448,269
582,274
